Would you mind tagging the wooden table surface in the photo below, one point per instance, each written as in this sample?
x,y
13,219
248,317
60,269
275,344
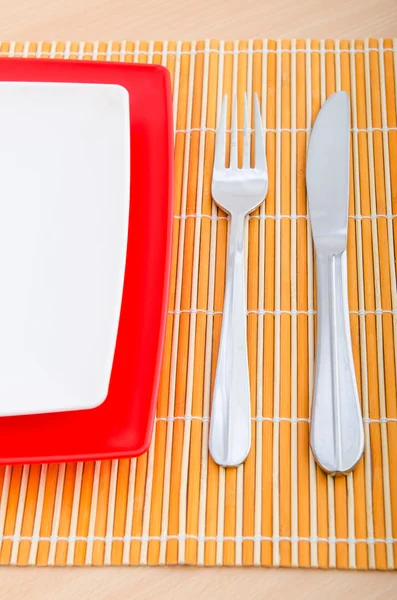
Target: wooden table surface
x,y
23,20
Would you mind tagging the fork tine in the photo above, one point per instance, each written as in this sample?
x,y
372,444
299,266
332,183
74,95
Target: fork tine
x,y
234,142
247,137
220,144
260,154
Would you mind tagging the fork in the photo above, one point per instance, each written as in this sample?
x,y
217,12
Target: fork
x,y
238,191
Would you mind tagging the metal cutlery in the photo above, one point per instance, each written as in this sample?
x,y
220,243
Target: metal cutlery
x,y
238,191
337,437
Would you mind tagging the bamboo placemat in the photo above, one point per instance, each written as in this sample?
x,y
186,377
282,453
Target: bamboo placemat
x,y
174,505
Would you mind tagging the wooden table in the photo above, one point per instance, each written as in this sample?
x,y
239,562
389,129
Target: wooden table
x,y
23,20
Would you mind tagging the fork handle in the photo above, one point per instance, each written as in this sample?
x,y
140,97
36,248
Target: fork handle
x,y
230,432
337,436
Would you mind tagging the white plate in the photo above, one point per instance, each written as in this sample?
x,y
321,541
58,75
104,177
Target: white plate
x,y
64,204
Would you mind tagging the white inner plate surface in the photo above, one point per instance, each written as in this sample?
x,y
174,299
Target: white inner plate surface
x,y
64,204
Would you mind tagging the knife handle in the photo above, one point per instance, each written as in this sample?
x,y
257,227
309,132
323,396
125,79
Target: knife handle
x,y
337,435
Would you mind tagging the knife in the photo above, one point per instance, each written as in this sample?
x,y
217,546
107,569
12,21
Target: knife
x,y
337,435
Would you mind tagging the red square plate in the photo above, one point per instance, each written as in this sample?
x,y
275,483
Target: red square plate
x,y
122,425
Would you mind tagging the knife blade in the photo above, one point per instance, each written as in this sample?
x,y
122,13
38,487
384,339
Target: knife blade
x,y
337,436
327,174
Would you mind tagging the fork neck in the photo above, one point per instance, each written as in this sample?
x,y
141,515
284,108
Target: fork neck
x,y
237,226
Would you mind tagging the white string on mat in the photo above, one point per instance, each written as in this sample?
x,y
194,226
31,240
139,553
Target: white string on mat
x,y
264,216
261,419
183,418
219,539
67,53
378,311
284,129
